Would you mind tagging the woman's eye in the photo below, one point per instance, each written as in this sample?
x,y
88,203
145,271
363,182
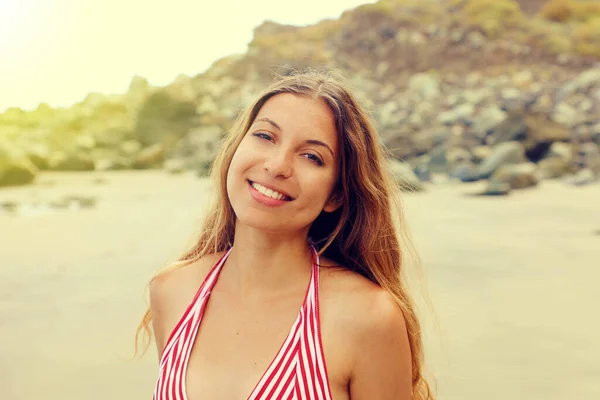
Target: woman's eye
x,y
314,158
262,135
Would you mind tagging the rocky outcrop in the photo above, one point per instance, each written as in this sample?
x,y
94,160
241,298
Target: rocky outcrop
x,y
461,88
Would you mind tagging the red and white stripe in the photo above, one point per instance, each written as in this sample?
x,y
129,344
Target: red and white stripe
x,y
297,372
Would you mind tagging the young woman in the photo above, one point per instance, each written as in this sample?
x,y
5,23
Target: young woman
x,y
293,289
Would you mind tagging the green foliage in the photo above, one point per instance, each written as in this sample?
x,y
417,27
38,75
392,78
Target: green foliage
x,y
558,44
587,37
304,44
492,16
570,10
164,119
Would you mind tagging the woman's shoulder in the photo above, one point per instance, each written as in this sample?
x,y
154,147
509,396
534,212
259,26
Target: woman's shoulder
x,y
172,291
365,334
179,281
359,306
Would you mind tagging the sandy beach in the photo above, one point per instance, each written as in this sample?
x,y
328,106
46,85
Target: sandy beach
x,y
513,281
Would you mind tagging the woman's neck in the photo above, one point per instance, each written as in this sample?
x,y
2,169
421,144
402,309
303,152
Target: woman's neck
x,y
263,263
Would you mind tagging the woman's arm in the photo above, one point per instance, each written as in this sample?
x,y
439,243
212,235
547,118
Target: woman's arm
x,y
382,367
159,293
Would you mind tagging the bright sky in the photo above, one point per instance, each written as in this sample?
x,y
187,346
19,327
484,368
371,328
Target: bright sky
x,y
57,51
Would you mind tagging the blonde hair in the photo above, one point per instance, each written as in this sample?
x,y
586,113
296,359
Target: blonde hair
x,y
363,235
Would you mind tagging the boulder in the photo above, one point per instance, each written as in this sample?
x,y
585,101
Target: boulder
x,y
113,163
426,86
150,157
71,161
518,176
553,167
175,166
511,128
581,178
465,171
130,148
39,155
456,156
15,168
589,157
543,130
496,188
502,154
480,153
563,151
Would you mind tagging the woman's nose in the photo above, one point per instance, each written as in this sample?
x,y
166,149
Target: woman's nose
x,y
279,165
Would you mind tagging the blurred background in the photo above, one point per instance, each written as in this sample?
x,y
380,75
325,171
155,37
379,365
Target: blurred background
x,y
110,116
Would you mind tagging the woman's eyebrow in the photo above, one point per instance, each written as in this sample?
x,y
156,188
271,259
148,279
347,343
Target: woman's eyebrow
x,y
319,143
270,121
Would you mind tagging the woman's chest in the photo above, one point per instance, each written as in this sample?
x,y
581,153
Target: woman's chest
x,y
235,346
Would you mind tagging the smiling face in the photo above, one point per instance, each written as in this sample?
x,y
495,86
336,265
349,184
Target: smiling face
x,y
283,173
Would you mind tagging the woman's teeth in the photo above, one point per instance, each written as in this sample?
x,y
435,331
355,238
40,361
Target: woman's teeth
x,y
269,193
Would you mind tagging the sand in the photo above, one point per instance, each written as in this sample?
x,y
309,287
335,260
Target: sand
x,y
514,284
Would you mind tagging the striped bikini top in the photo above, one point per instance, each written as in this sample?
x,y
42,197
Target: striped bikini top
x,y
297,372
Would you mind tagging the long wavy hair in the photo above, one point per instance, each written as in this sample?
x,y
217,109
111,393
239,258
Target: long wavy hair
x,y
367,234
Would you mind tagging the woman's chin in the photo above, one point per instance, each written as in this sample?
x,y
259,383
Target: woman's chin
x,y
267,224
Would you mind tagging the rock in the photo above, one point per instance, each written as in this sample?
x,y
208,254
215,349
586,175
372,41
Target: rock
x,y
150,157
476,40
458,113
503,153
385,114
523,78
541,129
426,86
589,157
437,159
581,178
175,166
564,151
596,133
15,168
511,128
511,93
424,140
476,96
465,172
207,106
130,148
405,176
553,167
582,82
456,156
488,118
39,155
73,161
566,115
115,163
496,188
518,176
480,153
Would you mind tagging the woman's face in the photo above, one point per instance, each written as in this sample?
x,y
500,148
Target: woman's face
x,y
283,173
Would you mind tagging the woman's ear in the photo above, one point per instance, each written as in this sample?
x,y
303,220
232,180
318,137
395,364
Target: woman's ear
x,y
335,201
